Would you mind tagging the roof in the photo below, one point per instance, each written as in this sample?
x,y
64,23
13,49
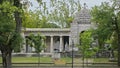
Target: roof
x,y
47,29
83,17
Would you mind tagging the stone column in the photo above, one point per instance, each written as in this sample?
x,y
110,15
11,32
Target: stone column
x,y
61,44
23,48
69,43
51,44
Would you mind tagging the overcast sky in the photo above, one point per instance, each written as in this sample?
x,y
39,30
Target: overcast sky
x,y
90,3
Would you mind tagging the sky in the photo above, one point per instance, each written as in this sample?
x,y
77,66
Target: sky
x,y
90,3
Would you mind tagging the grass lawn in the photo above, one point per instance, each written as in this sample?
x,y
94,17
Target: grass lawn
x,y
50,60
104,60
29,59
35,59
77,61
101,60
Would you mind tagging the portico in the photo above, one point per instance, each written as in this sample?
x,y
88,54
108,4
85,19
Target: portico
x,y
56,38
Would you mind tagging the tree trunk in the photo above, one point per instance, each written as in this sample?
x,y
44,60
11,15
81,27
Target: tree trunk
x,y
118,34
118,49
1,1
18,22
38,59
6,59
18,19
6,50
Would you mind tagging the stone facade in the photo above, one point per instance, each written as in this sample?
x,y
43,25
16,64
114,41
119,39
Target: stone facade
x,y
80,23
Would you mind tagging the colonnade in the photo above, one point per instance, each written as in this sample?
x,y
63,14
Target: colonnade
x,y
52,41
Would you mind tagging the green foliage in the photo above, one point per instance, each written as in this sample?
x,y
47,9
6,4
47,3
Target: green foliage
x,y
113,39
37,42
7,26
8,37
7,7
63,10
103,16
53,14
50,25
86,44
31,20
35,20
60,12
16,42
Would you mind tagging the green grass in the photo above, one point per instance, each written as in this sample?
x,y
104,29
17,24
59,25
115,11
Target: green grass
x,y
101,60
50,60
35,59
29,59
67,59
77,61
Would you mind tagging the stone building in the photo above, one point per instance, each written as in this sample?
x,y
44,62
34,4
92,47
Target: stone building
x,y
61,38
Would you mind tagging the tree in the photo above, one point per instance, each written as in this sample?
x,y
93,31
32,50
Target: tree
x,y
60,12
63,11
33,20
9,36
107,20
86,45
50,15
37,42
102,17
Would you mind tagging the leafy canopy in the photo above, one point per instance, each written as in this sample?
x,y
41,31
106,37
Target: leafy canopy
x,y
86,44
102,16
7,25
37,42
52,14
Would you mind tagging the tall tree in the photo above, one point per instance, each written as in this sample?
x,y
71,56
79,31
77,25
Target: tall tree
x,y
107,17
17,16
10,27
86,47
37,42
60,12
34,20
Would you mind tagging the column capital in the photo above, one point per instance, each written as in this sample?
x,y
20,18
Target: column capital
x,y
61,35
51,35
